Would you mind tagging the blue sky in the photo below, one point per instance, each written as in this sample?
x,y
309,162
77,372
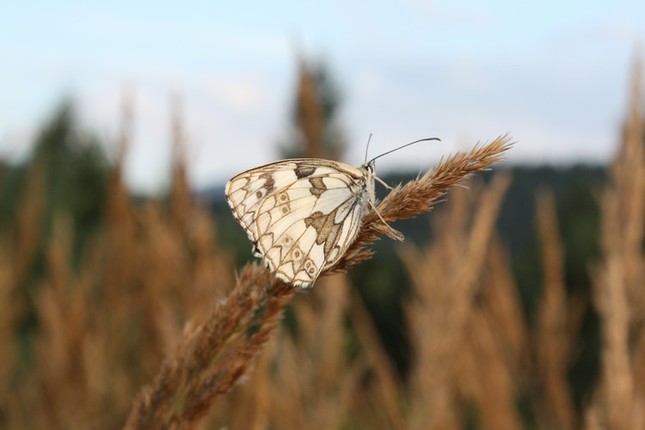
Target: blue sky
x,y
554,74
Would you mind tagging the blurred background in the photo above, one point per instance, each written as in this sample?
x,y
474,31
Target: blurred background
x,y
120,124
553,75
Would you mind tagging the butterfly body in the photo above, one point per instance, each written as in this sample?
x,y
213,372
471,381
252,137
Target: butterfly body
x,y
301,214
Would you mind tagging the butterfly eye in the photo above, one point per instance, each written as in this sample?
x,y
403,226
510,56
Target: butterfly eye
x,y
285,209
284,197
258,194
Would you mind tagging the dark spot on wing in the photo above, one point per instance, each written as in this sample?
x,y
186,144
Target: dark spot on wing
x,y
318,187
269,183
327,231
303,171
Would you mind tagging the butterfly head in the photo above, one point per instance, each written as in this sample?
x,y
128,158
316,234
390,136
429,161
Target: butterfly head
x,y
368,172
370,167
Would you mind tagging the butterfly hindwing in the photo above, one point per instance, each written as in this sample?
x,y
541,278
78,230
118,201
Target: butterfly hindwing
x,y
301,215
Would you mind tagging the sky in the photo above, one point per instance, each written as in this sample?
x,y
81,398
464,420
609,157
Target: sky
x,y
553,74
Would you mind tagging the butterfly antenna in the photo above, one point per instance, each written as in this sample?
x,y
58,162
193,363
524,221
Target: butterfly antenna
x,y
401,147
367,147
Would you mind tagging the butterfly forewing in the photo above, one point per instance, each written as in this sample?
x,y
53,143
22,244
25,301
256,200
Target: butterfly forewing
x,y
301,215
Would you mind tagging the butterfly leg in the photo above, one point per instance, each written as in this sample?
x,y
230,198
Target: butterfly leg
x,y
382,182
393,233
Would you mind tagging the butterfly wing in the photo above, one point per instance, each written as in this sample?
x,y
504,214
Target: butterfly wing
x,y
301,215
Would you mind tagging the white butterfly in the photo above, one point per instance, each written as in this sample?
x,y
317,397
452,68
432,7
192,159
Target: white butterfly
x,y
302,214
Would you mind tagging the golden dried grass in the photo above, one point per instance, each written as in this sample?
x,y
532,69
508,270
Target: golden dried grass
x,y
554,332
445,279
618,291
214,353
152,284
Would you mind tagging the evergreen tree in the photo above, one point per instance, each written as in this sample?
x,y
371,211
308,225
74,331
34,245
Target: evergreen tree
x,y
67,169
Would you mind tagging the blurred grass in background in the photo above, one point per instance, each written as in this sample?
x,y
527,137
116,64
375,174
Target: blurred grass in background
x,y
518,305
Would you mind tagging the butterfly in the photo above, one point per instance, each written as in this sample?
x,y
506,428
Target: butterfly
x,y
302,214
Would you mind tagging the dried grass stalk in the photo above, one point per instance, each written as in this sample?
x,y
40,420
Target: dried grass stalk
x,y
389,387
420,195
255,395
502,304
309,112
618,291
445,277
11,311
553,333
30,221
489,379
213,354
180,202
311,367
